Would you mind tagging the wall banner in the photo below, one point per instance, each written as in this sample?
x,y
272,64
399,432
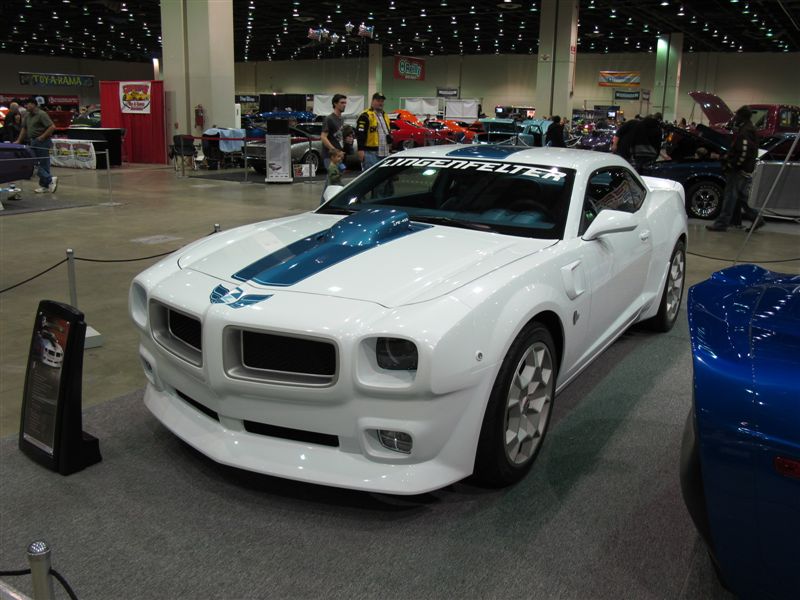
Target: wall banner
x,y
55,79
134,97
620,79
626,95
447,92
409,68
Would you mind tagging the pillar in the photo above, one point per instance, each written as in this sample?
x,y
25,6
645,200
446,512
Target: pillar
x,y
669,54
555,74
375,72
198,67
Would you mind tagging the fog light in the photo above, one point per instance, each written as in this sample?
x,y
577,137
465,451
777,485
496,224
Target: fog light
x,y
395,440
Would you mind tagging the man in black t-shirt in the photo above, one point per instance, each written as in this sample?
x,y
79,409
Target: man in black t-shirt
x,y
332,128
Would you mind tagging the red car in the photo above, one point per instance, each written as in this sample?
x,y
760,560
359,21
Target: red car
x,y
408,135
768,119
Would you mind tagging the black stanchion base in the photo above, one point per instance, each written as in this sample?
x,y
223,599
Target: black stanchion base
x,y
87,454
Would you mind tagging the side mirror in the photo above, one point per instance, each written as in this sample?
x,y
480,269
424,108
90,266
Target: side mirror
x,y
609,221
331,191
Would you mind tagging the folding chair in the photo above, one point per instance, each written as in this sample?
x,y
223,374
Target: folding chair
x,y
183,149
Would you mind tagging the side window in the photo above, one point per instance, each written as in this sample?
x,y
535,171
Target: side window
x,y
788,119
613,188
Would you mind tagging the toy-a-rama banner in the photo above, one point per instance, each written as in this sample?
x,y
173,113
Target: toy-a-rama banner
x,y
620,79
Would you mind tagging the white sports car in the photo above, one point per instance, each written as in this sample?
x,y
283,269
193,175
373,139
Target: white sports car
x,y
416,328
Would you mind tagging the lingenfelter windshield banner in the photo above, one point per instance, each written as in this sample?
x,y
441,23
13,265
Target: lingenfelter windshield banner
x,y
134,97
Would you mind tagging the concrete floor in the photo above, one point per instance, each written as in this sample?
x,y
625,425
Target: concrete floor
x,y
148,201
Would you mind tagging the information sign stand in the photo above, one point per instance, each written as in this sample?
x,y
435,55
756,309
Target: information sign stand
x,y
51,425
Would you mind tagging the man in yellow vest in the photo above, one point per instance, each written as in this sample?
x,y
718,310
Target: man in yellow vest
x,y
373,133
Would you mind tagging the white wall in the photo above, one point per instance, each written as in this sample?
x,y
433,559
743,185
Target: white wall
x,y
102,70
738,78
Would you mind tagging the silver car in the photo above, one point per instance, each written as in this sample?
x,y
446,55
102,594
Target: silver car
x,y
306,149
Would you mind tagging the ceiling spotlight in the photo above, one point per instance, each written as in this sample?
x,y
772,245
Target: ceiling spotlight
x,y
680,11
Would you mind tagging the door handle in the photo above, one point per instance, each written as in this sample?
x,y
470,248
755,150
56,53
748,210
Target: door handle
x,y
645,235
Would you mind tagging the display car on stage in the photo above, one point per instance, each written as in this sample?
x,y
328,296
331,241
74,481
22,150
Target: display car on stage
x,y
740,467
416,328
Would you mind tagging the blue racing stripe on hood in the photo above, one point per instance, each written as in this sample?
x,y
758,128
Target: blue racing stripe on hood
x,y
357,233
484,151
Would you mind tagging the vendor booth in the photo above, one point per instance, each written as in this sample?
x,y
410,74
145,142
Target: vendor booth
x,y
138,108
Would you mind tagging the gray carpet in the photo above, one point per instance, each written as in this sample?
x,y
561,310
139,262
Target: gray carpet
x,y
600,516
32,202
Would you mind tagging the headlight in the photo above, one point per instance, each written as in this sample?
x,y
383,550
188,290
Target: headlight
x,y
396,355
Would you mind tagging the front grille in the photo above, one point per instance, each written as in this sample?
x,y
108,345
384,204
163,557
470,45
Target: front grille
x,y
297,435
269,352
185,328
178,332
195,404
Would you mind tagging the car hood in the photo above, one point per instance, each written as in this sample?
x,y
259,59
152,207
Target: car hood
x,y
376,255
713,107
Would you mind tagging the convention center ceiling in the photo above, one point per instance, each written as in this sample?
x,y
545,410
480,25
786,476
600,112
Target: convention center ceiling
x,y
318,29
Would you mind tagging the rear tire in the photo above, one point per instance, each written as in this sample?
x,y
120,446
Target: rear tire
x,y
704,200
519,409
671,297
259,168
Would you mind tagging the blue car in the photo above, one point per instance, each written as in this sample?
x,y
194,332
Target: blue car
x,y
740,464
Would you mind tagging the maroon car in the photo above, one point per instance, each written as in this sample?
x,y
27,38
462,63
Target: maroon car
x,y
768,119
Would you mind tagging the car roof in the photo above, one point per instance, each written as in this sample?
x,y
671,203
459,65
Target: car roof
x,y
566,158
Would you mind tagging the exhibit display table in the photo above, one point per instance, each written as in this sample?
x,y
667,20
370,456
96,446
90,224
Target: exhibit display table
x,y
111,135
78,154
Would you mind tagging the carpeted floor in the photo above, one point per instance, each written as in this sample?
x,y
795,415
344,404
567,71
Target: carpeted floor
x,y
600,516
31,202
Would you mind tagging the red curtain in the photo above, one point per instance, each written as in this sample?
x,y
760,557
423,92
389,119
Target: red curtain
x,y
145,137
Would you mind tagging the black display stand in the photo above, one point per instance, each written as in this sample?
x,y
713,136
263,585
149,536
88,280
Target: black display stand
x,y
111,135
51,425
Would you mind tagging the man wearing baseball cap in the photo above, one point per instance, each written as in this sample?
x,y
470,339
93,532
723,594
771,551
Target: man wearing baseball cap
x,y
373,133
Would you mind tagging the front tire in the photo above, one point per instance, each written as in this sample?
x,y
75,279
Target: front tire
x,y
672,295
407,144
704,200
519,408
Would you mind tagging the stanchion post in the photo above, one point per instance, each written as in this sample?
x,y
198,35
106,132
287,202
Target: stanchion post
x,y
108,174
245,159
216,228
183,159
39,560
73,288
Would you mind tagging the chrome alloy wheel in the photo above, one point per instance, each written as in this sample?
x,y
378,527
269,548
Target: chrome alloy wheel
x,y
675,284
530,397
706,201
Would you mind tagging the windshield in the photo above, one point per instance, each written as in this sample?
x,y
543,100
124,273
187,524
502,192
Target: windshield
x,y
494,127
508,198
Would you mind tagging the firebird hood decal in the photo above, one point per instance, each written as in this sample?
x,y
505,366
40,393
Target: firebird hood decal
x,y
352,235
235,298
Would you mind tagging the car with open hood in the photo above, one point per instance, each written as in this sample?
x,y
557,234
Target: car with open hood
x,y
415,328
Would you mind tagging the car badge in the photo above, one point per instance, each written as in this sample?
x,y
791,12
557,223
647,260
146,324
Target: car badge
x,y
235,298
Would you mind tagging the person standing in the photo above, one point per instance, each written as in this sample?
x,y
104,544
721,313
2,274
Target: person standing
x,y
332,128
646,141
555,134
621,142
373,133
37,129
738,166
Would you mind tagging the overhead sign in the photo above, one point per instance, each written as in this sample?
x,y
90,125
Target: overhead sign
x,y
620,79
242,99
447,92
626,95
134,97
55,79
409,68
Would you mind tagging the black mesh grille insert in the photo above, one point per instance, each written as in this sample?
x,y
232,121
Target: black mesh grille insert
x,y
203,409
186,329
321,439
293,355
